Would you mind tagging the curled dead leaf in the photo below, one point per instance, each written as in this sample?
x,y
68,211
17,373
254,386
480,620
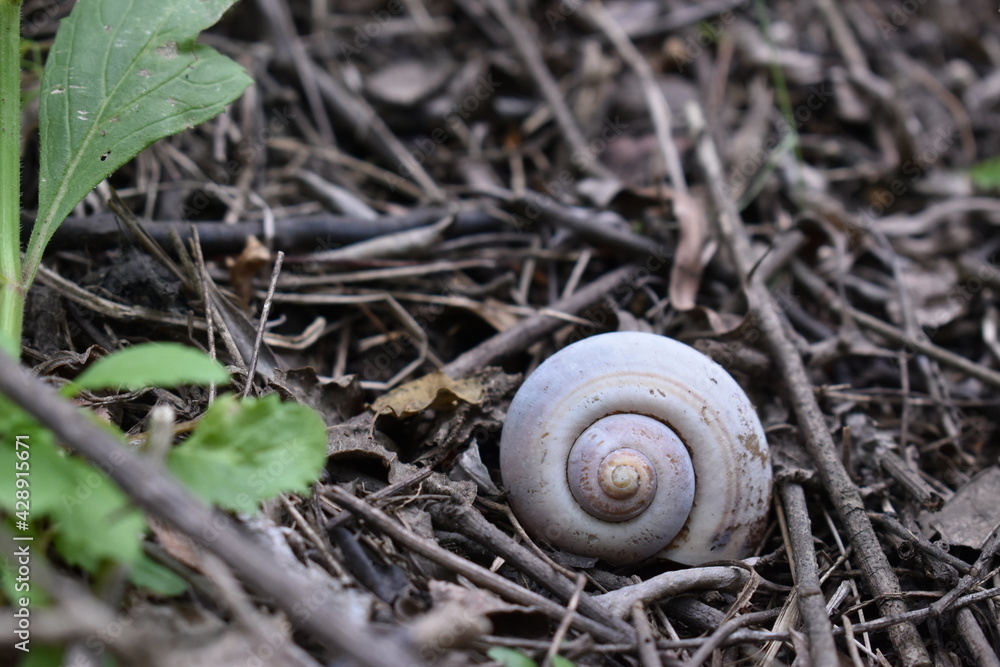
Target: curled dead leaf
x,y
693,252
245,266
431,392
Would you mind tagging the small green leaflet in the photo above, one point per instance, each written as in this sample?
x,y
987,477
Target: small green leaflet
x,y
89,519
152,365
157,578
509,657
44,656
247,451
986,174
92,519
120,75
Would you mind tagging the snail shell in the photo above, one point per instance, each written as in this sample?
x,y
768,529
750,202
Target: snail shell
x,y
628,445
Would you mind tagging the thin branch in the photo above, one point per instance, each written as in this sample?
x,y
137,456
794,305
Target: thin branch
x,y
812,605
839,487
157,493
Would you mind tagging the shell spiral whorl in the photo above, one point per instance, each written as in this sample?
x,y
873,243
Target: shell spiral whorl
x,y
617,464
627,445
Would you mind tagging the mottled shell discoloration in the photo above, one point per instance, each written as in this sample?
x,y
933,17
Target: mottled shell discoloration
x,y
667,381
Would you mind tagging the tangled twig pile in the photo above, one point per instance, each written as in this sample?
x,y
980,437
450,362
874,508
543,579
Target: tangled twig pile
x,y
462,188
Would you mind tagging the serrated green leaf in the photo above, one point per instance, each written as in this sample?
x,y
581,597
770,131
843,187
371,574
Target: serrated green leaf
x,y
91,518
509,657
47,476
120,75
152,365
96,521
247,451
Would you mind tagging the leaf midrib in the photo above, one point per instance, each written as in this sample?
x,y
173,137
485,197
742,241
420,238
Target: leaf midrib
x,y
38,239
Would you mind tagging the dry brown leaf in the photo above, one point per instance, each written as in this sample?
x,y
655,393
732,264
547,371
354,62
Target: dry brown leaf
x,y
715,321
243,268
476,601
469,466
685,274
335,400
935,293
450,624
178,545
434,391
356,441
971,514
483,604
352,440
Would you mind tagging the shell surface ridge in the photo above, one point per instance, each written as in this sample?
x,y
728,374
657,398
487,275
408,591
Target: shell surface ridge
x,y
675,386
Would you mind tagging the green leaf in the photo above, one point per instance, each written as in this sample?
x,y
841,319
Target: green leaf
x,y
509,657
120,75
153,576
92,519
247,451
43,656
95,521
986,174
152,365
11,590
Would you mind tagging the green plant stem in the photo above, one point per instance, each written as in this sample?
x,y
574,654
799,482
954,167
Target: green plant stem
x,y
781,93
12,292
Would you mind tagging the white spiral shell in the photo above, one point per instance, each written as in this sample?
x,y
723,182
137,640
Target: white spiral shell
x,y
628,445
